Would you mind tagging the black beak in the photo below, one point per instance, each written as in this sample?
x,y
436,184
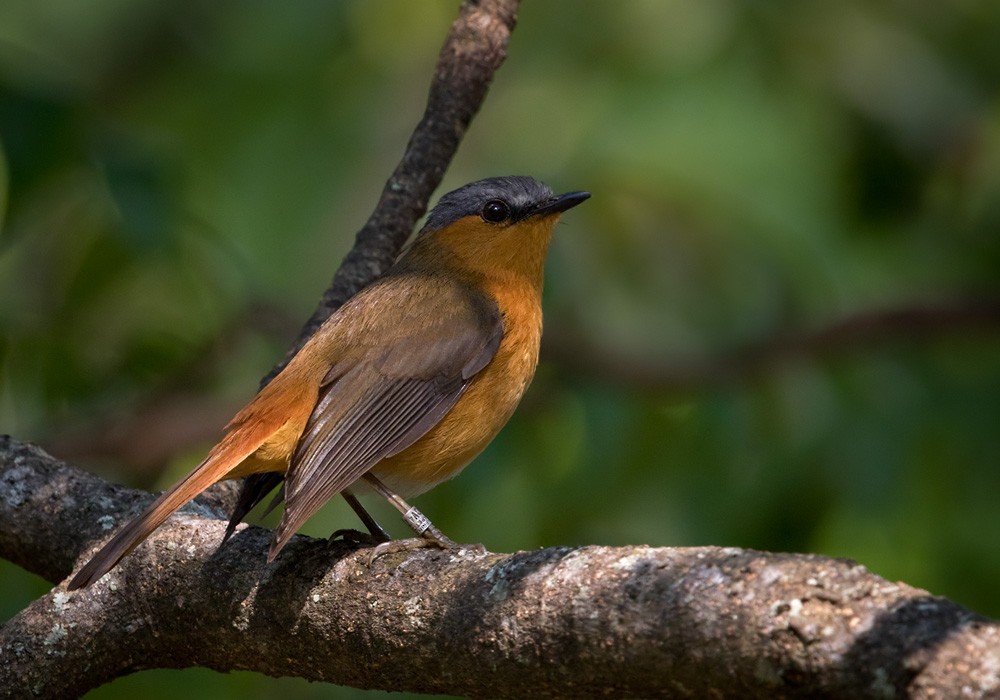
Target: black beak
x,y
559,204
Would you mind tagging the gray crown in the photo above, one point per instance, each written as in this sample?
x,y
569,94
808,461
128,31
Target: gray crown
x,y
521,193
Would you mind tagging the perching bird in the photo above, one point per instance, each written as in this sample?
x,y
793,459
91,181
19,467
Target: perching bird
x,y
403,385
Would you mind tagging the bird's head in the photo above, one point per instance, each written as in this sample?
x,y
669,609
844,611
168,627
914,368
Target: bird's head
x,y
497,224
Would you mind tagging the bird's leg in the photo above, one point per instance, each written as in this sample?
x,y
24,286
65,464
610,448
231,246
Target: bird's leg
x,y
430,536
377,534
417,521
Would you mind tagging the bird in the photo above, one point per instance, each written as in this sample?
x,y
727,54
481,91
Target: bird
x,y
402,386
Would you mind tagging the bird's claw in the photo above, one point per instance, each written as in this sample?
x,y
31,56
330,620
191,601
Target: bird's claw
x,y
427,540
357,537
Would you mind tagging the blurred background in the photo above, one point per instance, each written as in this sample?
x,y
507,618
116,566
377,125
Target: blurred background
x,y
776,324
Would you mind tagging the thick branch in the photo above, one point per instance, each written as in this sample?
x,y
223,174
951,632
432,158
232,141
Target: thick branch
x,y
475,48
559,622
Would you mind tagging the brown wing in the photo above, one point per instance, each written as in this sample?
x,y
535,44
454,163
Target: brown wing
x,y
407,368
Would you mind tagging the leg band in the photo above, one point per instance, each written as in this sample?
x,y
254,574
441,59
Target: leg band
x,y
417,520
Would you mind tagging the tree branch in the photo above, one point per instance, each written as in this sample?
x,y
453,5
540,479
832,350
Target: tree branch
x,y
559,622
171,421
581,353
475,48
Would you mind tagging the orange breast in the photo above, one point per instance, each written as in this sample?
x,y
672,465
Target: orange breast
x,y
487,403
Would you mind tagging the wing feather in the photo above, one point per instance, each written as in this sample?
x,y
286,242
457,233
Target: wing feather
x,y
387,398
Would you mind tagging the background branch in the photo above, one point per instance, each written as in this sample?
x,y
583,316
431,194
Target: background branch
x,y
580,353
622,622
169,421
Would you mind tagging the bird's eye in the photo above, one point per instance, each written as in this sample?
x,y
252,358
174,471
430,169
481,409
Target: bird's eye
x,y
496,211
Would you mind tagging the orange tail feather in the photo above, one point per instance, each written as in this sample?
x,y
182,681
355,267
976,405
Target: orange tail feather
x,y
248,432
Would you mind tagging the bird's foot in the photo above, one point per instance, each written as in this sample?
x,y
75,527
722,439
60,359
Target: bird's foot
x,y
432,537
357,537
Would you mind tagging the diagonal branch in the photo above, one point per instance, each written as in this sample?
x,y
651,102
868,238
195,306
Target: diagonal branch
x,y
475,48
561,622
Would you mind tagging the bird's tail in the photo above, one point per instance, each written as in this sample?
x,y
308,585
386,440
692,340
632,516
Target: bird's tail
x,y
251,428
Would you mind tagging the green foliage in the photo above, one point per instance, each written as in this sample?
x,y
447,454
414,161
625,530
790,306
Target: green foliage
x,y
180,180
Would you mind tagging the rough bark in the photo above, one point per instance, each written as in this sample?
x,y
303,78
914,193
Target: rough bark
x,y
560,622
